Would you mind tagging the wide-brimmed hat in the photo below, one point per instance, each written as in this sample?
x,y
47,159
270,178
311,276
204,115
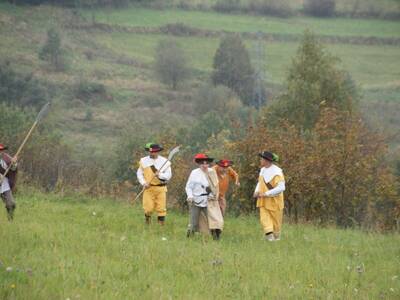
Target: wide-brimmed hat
x,y
200,157
267,155
153,147
224,163
2,147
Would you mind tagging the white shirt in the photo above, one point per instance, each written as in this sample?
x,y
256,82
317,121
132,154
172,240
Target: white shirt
x,y
5,186
164,174
268,174
196,186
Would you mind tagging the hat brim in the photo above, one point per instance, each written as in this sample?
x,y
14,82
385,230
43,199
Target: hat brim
x,y
3,148
154,150
264,157
224,165
199,160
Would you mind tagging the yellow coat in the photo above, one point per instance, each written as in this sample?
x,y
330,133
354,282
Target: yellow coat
x,y
271,203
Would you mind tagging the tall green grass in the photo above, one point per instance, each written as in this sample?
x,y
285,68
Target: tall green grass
x,y
80,248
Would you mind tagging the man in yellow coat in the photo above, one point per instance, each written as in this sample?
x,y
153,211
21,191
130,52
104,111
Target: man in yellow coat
x,y
153,174
269,194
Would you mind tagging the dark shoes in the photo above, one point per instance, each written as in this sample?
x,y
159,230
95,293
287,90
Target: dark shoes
x,y
10,213
216,234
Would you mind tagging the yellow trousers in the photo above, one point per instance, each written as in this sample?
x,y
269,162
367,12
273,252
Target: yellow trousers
x,y
271,220
155,199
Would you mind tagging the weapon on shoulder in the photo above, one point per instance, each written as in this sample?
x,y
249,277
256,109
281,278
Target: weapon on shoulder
x,y
39,117
170,156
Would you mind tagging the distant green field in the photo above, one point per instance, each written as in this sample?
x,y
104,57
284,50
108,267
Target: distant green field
x,y
136,16
367,64
80,248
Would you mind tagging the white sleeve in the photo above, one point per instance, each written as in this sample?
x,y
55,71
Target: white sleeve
x,y
189,186
140,177
165,173
258,184
276,190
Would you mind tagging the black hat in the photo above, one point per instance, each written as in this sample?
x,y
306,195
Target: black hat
x,y
267,155
152,147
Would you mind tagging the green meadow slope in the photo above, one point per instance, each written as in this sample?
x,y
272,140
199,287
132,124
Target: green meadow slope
x,y
119,51
81,248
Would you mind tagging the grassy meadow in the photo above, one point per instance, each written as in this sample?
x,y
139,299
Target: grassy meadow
x,y
75,247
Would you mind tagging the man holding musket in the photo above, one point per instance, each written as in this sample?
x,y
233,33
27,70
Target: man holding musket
x,y
7,183
153,174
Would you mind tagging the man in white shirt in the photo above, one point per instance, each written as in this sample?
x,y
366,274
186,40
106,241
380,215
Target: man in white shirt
x,y
153,174
202,191
269,194
7,182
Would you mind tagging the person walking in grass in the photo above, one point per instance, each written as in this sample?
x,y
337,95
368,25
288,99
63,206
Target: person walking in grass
x,y
269,195
225,173
202,195
7,183
154,181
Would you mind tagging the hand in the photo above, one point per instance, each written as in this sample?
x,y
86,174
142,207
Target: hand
x,y
146,185
237,183
256,195
14,160
190,200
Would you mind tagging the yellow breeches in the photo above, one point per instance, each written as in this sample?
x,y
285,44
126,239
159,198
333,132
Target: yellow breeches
x,y
155,199
271,220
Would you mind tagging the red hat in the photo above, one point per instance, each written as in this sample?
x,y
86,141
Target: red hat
x,y
2,147
200,157
225,163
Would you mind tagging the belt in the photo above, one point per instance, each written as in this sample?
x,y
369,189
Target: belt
x,y
161,184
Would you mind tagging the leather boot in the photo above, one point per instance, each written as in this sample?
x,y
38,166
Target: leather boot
x,y
161,220
147,219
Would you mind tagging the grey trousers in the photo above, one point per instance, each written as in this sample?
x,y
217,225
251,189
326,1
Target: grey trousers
x,y
195,212
8,200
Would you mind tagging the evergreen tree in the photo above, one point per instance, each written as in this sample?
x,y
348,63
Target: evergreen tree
x,y
232,68
314,82
52,51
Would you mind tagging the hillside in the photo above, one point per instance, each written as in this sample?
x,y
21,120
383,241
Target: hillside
x,y
79,248
117,52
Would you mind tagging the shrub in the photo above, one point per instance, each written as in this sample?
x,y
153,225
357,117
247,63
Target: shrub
x,y
52,51
320,8
170,63
20,90
271,8
90,91
227,6
210,98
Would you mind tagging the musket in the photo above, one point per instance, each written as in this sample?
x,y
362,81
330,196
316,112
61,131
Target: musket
x,y
39,117
170,156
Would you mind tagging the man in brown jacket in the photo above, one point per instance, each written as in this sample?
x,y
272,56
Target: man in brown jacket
x,y
225,173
